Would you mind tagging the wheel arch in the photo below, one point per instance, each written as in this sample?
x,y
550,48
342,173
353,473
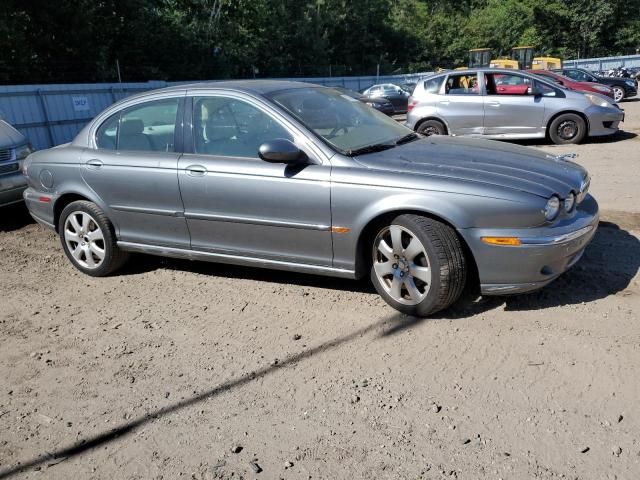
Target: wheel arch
x,y
368,233
64,200
564,112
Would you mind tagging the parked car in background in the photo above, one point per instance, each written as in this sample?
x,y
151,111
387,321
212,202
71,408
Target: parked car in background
x,y
573,84
508,104
299,177
14,148
393,93
408,87
622,87
381,104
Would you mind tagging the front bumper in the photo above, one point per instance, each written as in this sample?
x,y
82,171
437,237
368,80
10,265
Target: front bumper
x,y
603,120
11,188
545,253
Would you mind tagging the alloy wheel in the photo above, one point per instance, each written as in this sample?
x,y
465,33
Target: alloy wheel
x,y
618,94
401,265
84,239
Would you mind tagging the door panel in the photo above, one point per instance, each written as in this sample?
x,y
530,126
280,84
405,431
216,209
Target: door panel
x,y
134,171
462,106
508,107
140,189
253,208
238,204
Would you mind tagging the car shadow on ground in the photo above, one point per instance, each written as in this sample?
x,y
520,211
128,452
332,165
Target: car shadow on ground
x,y
145,263
620,136
610,263
14,217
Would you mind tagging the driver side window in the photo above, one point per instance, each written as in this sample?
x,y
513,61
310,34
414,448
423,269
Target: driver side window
x,y
229,127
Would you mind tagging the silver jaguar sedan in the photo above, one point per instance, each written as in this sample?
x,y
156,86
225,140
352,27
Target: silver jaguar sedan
x,y
507,104
304,178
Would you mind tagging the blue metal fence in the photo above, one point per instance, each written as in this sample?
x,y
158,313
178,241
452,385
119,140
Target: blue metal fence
x,y
53,114
605,63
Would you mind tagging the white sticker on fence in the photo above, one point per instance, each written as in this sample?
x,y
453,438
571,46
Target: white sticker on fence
x,y
80,104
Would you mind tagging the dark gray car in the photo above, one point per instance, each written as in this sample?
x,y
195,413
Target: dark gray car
x,y
302,178
14,148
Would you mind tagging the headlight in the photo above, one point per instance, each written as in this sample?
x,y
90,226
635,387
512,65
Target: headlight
x,y
552,208
569,202
630,83
601,88
23,152
598,101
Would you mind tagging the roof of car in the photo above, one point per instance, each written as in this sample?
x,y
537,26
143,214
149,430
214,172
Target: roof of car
x,y
260,87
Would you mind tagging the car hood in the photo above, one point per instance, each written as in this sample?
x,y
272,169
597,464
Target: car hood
x,y
482,161
9,136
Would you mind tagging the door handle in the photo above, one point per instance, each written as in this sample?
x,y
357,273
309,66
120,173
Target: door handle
x,y
444,102
493,104
196,170
94,163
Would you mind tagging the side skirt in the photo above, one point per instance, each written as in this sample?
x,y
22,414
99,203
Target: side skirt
x,y
236,260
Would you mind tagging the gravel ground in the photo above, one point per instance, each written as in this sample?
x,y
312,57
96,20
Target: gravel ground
x,y
202,371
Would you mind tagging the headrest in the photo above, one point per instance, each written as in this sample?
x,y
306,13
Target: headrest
x,y
131,126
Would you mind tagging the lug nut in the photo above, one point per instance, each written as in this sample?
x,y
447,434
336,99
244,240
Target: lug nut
x,y
395,265
402,274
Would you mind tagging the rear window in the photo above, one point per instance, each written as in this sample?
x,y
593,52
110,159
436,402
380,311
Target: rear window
x,y
433,85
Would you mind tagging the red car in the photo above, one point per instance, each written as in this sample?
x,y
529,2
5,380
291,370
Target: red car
x,y
574,85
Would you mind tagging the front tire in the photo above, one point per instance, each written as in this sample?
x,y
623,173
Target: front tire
x,y
418,265
88,239
567,128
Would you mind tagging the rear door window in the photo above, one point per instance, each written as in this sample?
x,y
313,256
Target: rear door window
x,y
149,127
462,84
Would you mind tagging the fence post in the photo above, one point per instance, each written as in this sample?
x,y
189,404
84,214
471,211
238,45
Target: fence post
x,y
43,106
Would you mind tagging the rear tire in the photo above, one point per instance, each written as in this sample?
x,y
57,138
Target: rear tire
x,y
432,127
88,239
567,128
419,266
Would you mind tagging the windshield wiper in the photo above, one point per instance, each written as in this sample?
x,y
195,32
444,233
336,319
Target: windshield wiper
x,y
376,147
407,138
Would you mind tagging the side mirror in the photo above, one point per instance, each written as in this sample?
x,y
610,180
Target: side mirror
x,y
535,91
281,150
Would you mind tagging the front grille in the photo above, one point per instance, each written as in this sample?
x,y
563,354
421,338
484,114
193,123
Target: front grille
x,y
5,155
10,168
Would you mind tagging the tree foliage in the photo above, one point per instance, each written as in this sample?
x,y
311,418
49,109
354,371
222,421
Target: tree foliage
x,y
81,40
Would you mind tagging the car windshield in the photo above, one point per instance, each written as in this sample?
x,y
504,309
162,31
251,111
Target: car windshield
x,y
346,124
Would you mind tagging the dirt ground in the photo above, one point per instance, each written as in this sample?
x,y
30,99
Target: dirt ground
x,y
202,371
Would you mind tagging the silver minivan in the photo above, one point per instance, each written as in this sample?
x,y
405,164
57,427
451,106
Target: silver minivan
x,y
14,148
508,104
